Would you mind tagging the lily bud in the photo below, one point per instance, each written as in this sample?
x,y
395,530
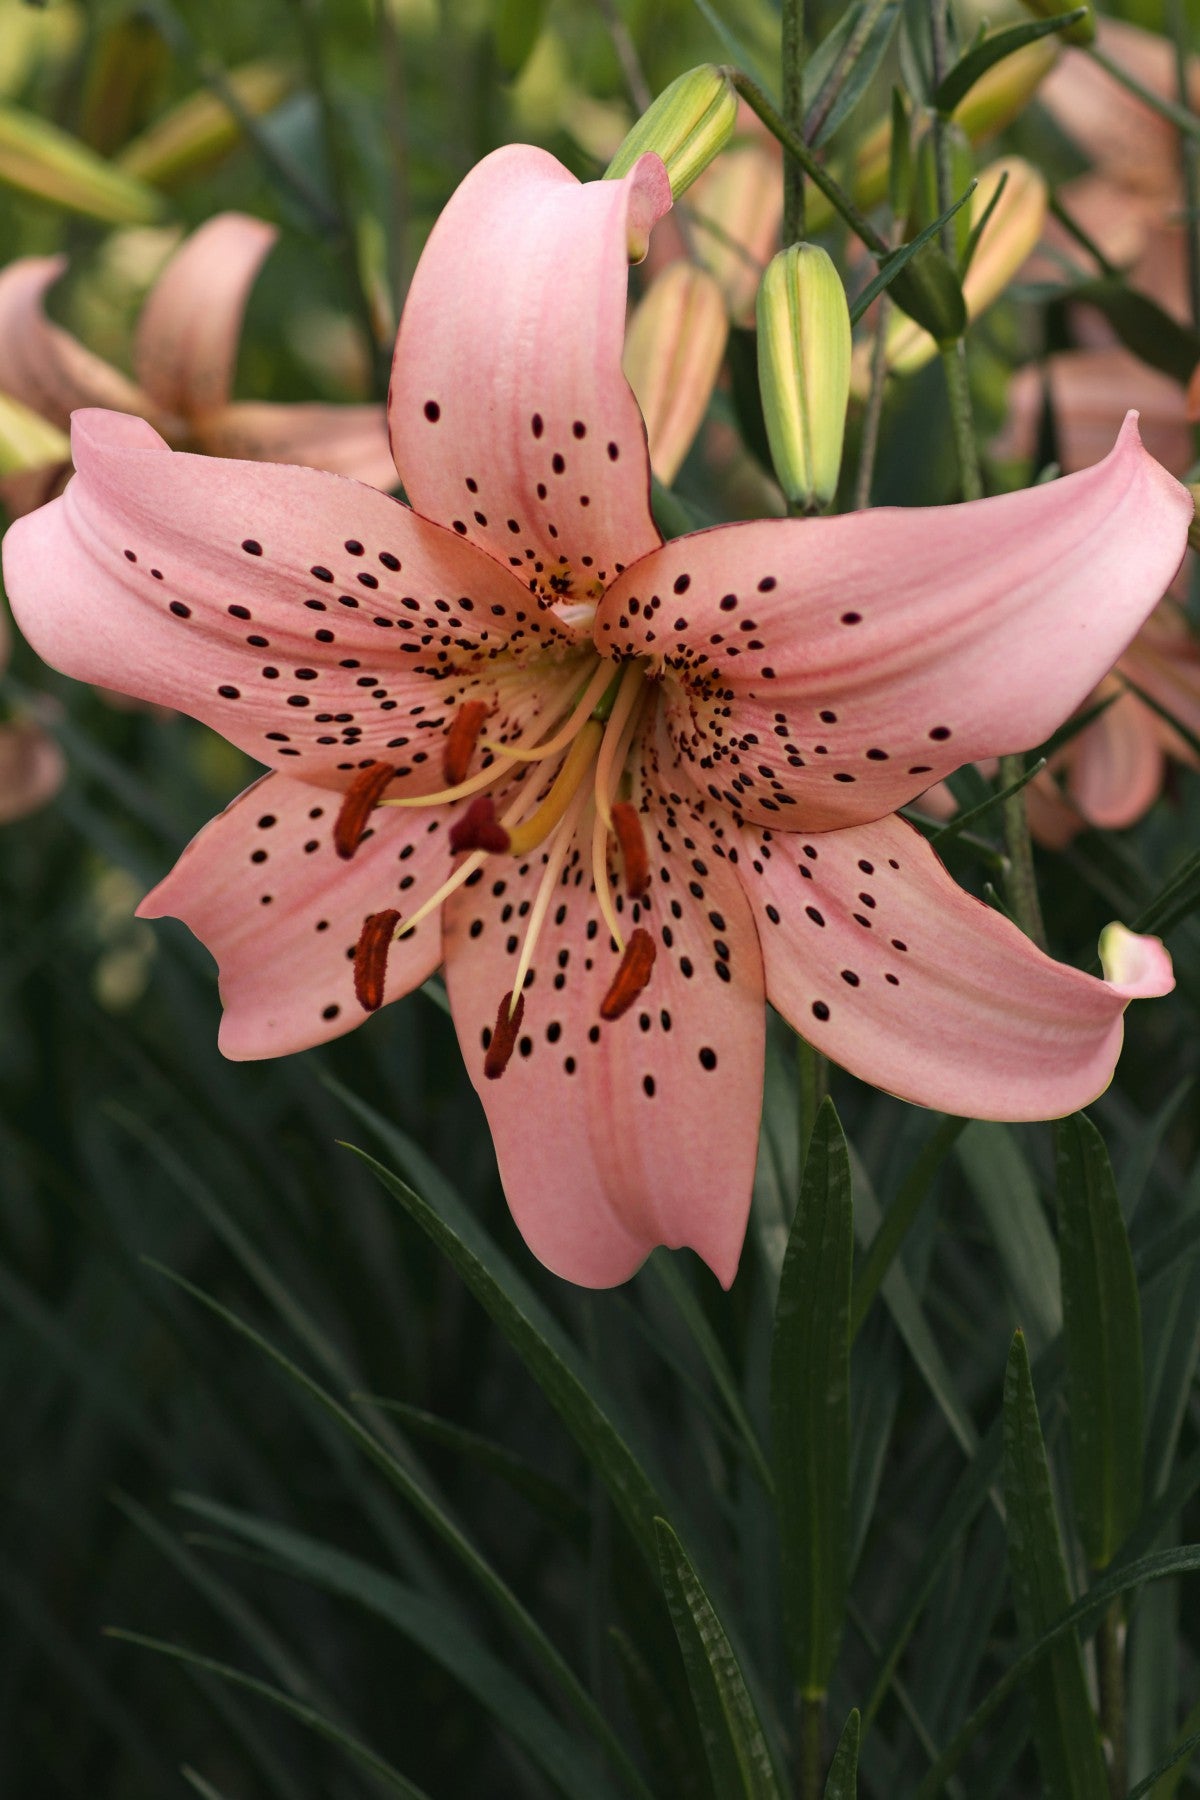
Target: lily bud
x,y
673,349
38,158
196,134
1083,31
736,209
1008,239
804,370
687,125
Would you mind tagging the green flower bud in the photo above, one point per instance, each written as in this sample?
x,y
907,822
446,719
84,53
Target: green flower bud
x,y
929,291
804,371
1082,32
687,125
37,158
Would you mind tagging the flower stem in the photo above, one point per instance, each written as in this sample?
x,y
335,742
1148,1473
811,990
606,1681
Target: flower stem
x,y
820,177
812,1734
1020,881
792,58
873,412
1110,1670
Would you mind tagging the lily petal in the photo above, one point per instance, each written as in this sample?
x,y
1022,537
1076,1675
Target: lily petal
x,y
185,350
346,440
44,366
826,672
276,604
615,1137
876,957
1116,765
264,891
509,414
1090,392
32,769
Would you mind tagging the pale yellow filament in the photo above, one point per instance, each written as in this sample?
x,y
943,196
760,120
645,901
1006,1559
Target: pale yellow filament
x,y
592,694
560,844
604,898
618,732
475,861
576,764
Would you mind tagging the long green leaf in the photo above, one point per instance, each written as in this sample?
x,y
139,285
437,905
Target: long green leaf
x,y
315,1721
434,1513
1102,1327
886,1243
968,70
732,1733
842,1780
1064,1728
810,1406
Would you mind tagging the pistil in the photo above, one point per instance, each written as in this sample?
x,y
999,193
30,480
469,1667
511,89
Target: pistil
x,y
579,758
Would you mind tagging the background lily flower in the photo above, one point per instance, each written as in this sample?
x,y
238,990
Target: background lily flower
x,y
626,789
184,358
32,766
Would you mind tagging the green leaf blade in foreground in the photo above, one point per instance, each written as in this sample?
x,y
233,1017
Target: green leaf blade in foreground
x,y
1102,1326
810,1406
842,1780
977,61
1064,1726
734,1742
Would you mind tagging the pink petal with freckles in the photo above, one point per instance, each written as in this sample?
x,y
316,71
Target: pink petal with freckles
x,y
975,1019
823,673
346,440
509,412
615,1137
42,365
1116,766
185,351
246,552
264,890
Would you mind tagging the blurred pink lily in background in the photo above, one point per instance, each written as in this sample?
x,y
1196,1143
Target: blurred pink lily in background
x,y
624,791
32,766
184,358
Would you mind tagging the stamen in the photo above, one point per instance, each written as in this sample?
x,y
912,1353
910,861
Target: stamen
x,y
479,829
600,882
358,803
467,867
586,705
632,975
461,740
504,1038
371,957
578,761
618,735
560,844
634,853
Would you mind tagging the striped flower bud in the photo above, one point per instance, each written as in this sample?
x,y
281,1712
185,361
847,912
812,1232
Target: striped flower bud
x,y
687,125
673,350
804,371
38,158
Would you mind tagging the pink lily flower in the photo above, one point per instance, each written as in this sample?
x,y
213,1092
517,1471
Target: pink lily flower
x,y
32,766
624,791
184,356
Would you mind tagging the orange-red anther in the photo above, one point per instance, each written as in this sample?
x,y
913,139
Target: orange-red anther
x,y
371,958
461,740
504,1039
634,853
632,975
479,828
358,803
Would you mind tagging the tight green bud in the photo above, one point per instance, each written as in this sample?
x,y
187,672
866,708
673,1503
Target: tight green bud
x,y
687,125
804,371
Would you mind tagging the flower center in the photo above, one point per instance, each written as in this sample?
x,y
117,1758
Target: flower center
x,y
594,744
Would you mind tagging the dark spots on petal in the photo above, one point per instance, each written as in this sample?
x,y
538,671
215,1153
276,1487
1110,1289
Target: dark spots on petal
x,y
130,557
850,978
368,580
892,980
728,602
613,452
708,1059
180,610
921,769
648,1086
330,1012
298,700
682,583
558,463
940,733
814,915
820,1010
389,561
157,574
851,618
899,944
321,574
460,527
433,411
266,822
316,606
239,612
579,429
877,755
537,425
842,776
229,693
252,547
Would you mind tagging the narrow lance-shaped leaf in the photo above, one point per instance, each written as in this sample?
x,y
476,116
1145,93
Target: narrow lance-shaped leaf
x,y
1102,1326
1064,1726
982,57
842,1780
733,1737
810,1406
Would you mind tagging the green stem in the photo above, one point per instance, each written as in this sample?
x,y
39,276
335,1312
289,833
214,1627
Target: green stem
x,y
812,1746
812,1070
954,361
792,58
835,81
1110,1670
820,177
1179,116
873,414
1020,883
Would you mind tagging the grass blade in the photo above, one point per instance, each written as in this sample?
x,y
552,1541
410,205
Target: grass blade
x,y
842,1780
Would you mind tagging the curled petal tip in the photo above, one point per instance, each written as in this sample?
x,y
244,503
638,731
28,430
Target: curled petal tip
x,y
1137,966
